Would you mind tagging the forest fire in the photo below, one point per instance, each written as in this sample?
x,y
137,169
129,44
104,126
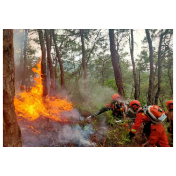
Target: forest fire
x,y
31,105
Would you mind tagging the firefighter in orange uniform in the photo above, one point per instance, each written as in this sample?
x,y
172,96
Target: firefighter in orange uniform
x,y
118,108
169,115
151,116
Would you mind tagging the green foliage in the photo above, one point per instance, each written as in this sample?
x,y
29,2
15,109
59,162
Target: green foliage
x,y
111,83
110,118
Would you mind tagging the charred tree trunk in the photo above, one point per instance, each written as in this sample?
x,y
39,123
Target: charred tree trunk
x,y
48,45
24,66
43,63
151,82
63,87
115,63
84,61
159,67
11,130
134,70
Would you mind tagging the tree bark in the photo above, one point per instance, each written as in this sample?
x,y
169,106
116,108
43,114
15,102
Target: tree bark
x,y
115,63
43,63
56,81
11,130
139,84
159,67
170,78
118,56
23,84
134,70
151,82
48,45
84,61
63,87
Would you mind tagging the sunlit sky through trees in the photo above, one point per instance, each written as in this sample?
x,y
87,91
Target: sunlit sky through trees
x,y
139,35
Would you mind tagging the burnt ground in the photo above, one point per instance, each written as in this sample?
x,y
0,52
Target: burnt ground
x,y
80,132
44,132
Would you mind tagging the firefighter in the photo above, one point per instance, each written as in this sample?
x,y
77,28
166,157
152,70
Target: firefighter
x,y
118,108
151,116
169,114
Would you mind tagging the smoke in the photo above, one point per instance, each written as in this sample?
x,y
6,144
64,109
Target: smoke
x,y
49,133
97,95
75,134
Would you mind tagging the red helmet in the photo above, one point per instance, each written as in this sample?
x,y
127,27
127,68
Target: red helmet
x,y
170,104
155,113
135,104
115,96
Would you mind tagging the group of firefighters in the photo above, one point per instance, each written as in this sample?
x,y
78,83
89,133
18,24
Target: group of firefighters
x,y
150,116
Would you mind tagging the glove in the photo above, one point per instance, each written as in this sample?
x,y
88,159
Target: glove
x,y
131,135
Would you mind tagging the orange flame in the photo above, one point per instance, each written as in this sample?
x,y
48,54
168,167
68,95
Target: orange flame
x,y
33,129
31,105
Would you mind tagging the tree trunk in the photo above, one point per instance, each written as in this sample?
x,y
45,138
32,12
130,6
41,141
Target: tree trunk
x,y
170,78
11,130
84,62
161,102
118,56
43,63
56,81
139,84
23,84
21,64
134,70
115,63
63,87
159,67
48,45
151,82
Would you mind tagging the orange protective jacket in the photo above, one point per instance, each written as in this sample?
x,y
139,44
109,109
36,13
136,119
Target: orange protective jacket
x,y
140,118
157,136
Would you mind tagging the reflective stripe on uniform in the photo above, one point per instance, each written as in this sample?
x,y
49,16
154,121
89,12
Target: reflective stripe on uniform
x,y
133,130
120,108
143,114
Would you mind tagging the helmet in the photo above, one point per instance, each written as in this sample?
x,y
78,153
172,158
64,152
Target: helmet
x,y
115,96
135,104
155,113
170,104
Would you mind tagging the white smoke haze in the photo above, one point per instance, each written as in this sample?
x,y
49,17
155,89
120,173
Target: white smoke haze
x,y
49,133
97,95
75,134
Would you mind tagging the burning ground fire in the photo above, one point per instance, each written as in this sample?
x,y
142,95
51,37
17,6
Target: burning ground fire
x,y
31,105
46,121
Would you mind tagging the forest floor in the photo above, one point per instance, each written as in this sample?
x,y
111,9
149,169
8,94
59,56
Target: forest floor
x,y
100,131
